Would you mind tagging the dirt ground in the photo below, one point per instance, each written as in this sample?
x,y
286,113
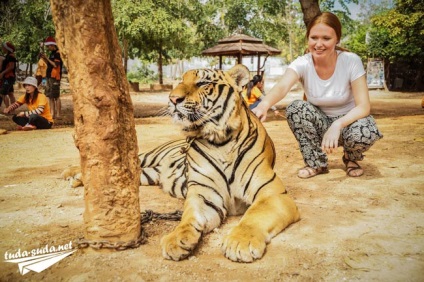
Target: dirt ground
x,y
352,229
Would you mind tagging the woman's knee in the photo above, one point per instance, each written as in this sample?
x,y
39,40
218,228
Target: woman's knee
x,y
302,110
33,117
15,118
297,105
363,131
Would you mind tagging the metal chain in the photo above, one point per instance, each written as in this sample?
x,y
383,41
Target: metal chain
x,y
146,216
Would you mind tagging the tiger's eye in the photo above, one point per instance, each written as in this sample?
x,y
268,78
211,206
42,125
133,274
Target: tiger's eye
x,y
201,83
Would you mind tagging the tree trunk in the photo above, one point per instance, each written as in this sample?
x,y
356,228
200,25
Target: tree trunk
x,y
160,67
104,122
386,80
125,43
388,84
310,8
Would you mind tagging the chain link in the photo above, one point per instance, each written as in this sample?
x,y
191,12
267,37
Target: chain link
x,y
146,217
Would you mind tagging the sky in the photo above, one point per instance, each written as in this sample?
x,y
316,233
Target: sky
x,y
355,8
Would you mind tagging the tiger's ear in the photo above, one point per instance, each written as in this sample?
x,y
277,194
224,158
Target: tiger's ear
x,y
241,75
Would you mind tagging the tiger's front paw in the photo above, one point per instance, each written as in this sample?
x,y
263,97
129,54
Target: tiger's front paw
x,y
73,175
179,244
244,244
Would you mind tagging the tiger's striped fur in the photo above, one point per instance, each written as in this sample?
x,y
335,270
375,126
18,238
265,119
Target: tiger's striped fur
x,y
224,167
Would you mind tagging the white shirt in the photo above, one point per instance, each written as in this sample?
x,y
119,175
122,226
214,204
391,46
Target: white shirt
x,y
334,95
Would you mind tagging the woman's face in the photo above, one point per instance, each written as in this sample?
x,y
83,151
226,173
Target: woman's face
x,y
322,41
260,84
29,88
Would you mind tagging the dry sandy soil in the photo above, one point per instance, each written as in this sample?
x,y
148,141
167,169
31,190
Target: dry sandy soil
x,y
355,229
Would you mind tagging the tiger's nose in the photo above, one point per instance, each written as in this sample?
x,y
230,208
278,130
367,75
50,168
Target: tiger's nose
x,y
176,99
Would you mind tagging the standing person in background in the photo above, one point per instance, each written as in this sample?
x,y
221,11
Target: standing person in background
x,y
8,74
337,110
41,72
53,76
38,114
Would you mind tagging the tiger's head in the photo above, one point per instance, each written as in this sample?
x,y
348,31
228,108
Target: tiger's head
x,y
207,103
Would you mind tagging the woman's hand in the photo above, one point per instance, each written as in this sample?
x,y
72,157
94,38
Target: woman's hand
x,y
277,114
21,114
260,112
330,141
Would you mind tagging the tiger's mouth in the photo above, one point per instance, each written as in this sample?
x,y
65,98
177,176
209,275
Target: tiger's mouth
x,y
191,118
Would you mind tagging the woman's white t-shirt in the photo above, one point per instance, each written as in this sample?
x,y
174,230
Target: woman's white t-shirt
x,y
334,95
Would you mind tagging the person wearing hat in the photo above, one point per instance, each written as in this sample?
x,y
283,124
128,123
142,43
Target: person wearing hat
x,y
38,115
53,75
8,74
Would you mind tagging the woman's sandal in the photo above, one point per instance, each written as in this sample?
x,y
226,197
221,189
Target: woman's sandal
x,y
350,169
311,172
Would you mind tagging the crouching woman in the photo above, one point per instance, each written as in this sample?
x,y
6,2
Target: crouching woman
x,y
38,115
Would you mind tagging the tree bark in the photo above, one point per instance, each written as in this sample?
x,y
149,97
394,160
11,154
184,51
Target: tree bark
x,y
104,122
310,8
160,66
125,43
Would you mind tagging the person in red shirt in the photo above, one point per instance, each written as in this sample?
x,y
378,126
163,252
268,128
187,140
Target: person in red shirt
x,y
8,74
38,115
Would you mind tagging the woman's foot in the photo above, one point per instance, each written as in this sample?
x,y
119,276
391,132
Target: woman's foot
x,y
29,127
308,172
353,169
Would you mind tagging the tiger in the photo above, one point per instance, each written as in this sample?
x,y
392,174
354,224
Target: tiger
x,y
223,167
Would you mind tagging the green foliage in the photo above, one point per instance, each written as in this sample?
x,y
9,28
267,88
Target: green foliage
x,y
330,5
179,29
142,75
159,26
25,24
356,41
399,32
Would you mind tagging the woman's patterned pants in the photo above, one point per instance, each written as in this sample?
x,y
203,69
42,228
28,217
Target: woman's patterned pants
x,y
309,124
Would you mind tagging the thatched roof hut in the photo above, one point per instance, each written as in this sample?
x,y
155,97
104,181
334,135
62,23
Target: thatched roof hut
x,y
239,45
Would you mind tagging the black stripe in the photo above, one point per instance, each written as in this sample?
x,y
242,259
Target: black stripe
x,y
189,183
184,188
226,102
157,151
149,179
257,191
200,231
241,155
197,149
213,206
253,173
199,172
253,134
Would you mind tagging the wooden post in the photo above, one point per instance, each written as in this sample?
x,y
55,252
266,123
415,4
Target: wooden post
x,y
259,63
104,123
